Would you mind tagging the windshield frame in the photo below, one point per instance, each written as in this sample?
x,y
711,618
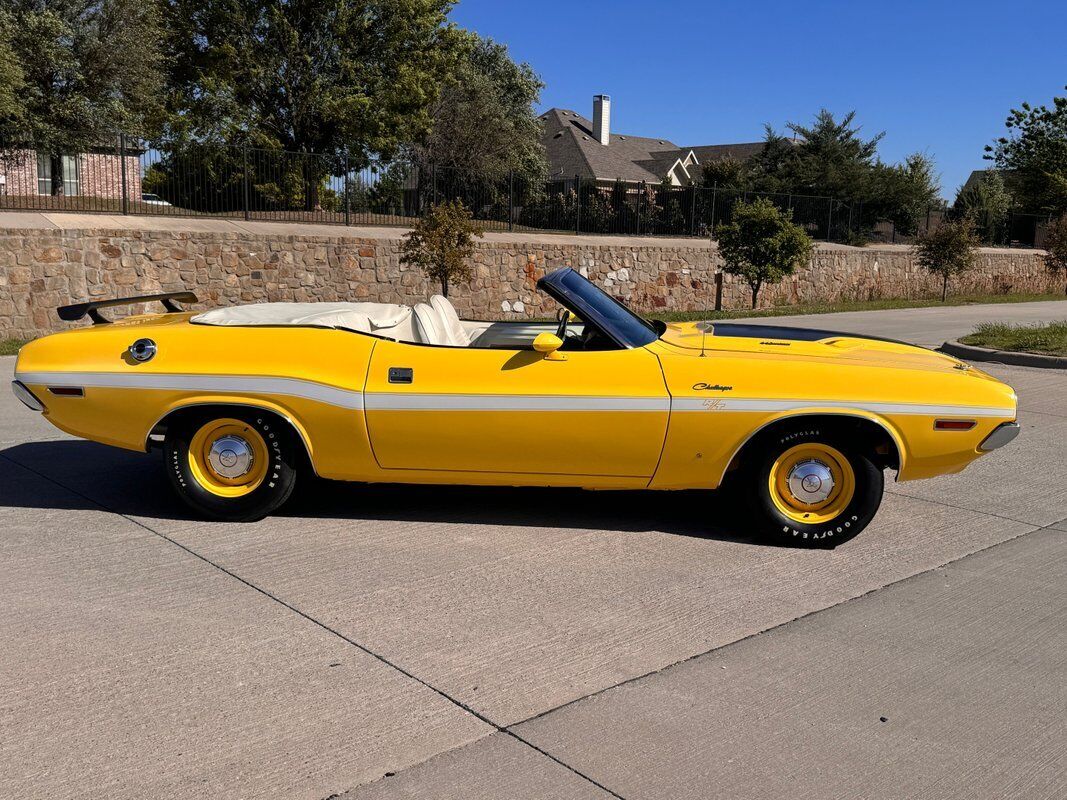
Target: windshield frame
x,y
583,302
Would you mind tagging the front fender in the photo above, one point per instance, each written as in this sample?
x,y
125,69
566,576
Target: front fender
x,y
815,411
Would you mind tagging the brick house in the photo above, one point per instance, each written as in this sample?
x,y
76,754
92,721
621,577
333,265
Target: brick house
x,y
97,174
588,148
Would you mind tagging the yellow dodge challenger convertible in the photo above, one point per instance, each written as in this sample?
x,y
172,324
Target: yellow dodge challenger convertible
x,y
242,400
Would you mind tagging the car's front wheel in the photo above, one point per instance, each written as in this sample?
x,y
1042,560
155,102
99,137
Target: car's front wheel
x,y
812,487
231,465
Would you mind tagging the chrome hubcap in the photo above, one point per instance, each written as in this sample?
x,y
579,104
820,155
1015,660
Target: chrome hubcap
x,y
230,456
811,481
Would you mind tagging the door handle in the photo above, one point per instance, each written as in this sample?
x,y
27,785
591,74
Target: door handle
x,y
401,375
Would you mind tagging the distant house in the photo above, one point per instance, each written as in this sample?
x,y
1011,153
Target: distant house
x,y
96,173
975,178
589,148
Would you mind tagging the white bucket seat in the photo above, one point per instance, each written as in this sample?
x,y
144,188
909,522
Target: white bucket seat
x,y
438,323
454,331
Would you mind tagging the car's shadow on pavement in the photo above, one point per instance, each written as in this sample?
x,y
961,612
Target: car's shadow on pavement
x,y
95,477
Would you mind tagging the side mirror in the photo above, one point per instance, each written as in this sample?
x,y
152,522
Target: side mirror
x,y
548,344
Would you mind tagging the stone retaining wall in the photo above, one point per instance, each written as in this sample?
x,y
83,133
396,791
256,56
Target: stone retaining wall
x,y
44,268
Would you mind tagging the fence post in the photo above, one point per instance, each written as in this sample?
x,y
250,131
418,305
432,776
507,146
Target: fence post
x,y
577,203
433,179
640,197
692,209
829,219
714,197
347,201
718,290
244,179
511,199
125,189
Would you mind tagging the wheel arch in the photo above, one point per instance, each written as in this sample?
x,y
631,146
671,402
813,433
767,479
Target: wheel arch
x,y
884,439
156,434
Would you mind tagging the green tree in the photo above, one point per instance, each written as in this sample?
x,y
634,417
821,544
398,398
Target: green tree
x,y
904,193
441,242
1033,156
726,173
761,244
12,82
830,158
73,73
484,122
1056,247
987,203
949,249
322,76
773,168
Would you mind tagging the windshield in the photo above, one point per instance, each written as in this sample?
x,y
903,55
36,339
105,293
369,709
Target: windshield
x,y
598,308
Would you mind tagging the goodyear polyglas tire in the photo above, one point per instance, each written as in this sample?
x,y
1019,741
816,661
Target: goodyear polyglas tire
x,y
231,465
811,487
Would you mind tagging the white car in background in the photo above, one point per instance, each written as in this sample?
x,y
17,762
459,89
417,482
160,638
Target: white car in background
x,y
153,199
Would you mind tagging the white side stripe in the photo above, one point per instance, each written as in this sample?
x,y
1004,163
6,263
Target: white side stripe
x,y
411,401
290,387
737,404
395,401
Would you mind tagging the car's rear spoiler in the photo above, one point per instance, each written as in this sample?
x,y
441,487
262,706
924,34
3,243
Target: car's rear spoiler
x,y
76,311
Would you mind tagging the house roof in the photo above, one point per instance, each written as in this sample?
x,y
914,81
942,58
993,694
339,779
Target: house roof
x,y
572,149
976,177
718,152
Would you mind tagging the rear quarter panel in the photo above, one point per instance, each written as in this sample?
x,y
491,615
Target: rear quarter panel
x,y
323,374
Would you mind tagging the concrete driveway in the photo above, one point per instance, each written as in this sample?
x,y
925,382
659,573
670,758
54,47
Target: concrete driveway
x,y
416,642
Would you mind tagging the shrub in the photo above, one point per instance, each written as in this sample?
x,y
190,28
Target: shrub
x,y
949,249
441,242
761,244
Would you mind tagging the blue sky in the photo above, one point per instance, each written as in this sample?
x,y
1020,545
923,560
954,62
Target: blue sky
x,y
938,77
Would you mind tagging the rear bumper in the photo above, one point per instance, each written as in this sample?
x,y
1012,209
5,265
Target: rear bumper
x,y
1000,436
28,398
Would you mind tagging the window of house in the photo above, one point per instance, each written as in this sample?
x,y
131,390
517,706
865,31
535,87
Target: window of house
x,y
44,174
69,175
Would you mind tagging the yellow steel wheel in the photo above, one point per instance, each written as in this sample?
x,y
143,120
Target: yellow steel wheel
x,y
811,483
228,457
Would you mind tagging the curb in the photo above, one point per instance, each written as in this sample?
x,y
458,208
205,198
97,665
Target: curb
x,y
972,353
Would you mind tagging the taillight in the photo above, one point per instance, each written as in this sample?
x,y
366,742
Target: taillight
x,y
954,424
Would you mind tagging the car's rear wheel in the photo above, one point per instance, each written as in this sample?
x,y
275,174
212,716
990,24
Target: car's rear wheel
x,y
812,487
231,465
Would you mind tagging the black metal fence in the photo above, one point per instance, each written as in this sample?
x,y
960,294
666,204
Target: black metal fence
x,y
124,176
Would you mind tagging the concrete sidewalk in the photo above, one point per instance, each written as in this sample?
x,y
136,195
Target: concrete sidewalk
x,y
64,220
440,642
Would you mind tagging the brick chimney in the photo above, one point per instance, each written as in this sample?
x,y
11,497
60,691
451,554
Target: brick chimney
x,y
602,118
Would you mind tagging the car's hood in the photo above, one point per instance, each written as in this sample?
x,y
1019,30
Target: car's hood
x,y
804,342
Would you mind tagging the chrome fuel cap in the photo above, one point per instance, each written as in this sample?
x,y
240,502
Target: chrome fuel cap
x,y
231,456
811,481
